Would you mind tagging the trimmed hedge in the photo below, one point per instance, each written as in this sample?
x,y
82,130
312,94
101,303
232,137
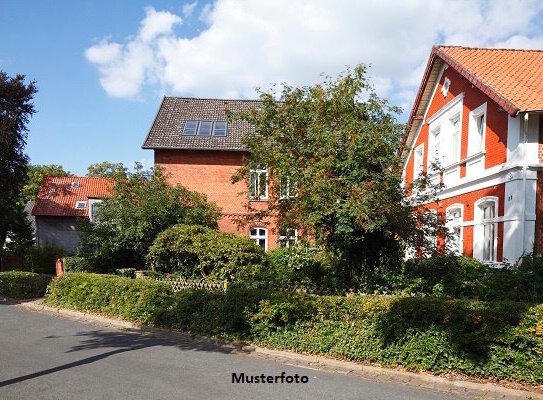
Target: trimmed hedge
x,y
137,300
23,285
499,340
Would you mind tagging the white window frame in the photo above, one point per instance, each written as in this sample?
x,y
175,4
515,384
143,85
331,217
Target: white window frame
x,y
80,205
477,140
479,229
287,236
291,190
418,161
191,132
204,123
215,130
92,202
458,245
261,233
455,132
255,192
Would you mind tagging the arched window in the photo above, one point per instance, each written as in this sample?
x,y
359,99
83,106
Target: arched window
x,y
485,235
260,236
455,228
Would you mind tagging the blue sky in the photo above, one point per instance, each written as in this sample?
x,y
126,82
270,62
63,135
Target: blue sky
x,y
103,67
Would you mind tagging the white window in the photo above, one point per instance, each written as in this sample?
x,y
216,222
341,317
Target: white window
x,y
418,161
260,236
190,128
287,237
204,128
477,130
485,241
455,228
287,188
80,205
455,139
436,134
258,182
219,128
94,204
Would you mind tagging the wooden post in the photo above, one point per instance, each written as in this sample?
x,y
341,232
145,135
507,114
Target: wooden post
x,y
60,266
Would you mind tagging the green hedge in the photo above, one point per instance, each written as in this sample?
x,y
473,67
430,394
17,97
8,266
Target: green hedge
x,y
138,300
500,340
23,285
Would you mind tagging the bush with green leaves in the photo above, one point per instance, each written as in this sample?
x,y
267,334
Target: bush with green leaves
x,y
23,284
42,259
77,264
197,252
126,272
139,300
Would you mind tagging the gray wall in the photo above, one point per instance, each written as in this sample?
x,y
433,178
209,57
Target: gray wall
x,y
59,231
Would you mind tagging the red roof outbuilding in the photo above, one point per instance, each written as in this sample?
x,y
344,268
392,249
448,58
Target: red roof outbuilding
x,y
58,196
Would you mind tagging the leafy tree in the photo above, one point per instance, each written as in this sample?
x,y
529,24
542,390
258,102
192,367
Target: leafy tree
x,y
16,108
35,176
107,169
331,153
140,208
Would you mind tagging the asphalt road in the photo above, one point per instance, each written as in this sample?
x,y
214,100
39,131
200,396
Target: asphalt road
x,y
50,357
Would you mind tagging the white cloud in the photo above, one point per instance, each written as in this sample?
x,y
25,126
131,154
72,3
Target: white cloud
x,y
246,44
188,8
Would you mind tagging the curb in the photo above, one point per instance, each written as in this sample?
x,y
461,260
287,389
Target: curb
x,y
424,381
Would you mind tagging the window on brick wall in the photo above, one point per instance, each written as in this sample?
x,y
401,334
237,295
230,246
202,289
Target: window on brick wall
x,y
477,130
287,237
260,236
455,228
485,236
258,182
418,161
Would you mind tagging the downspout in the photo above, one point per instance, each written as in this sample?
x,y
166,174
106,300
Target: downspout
x,y
524,169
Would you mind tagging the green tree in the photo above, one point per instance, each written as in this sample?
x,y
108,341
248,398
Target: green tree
x,y
16,108
35,175
331,153
139,209
107,169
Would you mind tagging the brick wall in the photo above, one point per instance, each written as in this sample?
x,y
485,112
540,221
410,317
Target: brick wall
x,y
210,172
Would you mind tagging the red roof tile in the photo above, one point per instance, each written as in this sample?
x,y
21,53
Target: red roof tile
x,y
58,195
512,78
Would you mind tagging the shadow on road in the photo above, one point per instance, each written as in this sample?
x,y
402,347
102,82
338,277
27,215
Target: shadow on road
x,y
121,342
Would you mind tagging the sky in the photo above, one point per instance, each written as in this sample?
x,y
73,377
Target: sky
x,y
103,67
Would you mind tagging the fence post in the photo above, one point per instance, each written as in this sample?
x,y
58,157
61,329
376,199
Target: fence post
x,y
59,264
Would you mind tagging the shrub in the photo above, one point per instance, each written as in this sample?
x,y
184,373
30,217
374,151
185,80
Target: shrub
x,y
138,300
197,252
23,285
41,259
126,272
77,264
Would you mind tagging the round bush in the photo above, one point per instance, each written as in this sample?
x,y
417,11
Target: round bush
x,y
198,252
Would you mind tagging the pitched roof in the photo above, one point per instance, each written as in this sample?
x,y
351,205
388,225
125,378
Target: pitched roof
x,y
166,131
512,78
58,195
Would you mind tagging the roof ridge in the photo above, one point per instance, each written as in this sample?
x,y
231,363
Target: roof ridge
x,y
485,48
209,98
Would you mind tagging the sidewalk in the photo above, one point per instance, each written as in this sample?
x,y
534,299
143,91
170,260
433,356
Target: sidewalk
x,y
454,385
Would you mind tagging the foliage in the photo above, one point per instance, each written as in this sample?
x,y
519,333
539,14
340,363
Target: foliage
x,y
34,178
23,285
138,300
21,235
198,252
337,154
139,209
126,272
42,259
16,108
107,169
78,264
499,340
304,266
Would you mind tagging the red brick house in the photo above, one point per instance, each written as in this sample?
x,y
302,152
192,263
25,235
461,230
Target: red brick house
x,y
60,202
197,148
477,113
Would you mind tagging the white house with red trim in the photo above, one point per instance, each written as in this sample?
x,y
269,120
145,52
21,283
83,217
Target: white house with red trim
x,y
477,113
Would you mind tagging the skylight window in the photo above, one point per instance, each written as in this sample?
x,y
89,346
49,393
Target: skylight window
x,y
219,128
204,128
81,205
190,128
